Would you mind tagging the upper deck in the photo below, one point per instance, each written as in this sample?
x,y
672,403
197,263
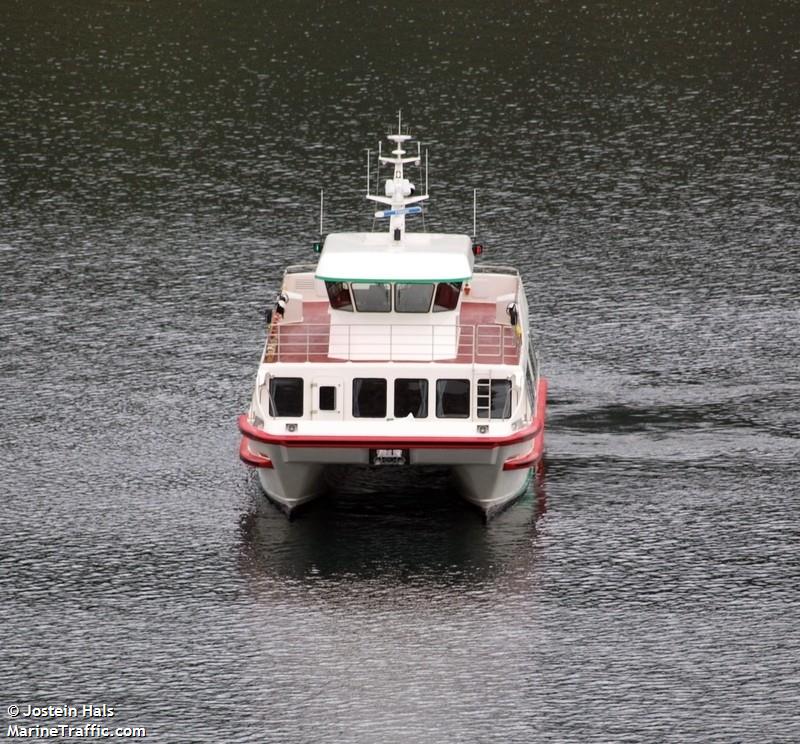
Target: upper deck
x,y
478,330
396,296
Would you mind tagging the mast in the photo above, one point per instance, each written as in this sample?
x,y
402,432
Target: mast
x,y
400,192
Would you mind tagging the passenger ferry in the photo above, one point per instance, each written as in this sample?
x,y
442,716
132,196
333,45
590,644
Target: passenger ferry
x,y
396,349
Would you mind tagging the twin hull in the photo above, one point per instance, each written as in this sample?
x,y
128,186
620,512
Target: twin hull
x,y
491,468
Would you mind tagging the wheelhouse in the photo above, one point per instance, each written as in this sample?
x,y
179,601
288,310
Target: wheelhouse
x,y
373,273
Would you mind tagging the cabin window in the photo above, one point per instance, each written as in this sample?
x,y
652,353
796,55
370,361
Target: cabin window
x,y
339,296
412,298
410,398
327,398
286,396
372,298
452,398
369,397
446,296
494,395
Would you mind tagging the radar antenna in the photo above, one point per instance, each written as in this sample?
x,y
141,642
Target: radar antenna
x,y
400,194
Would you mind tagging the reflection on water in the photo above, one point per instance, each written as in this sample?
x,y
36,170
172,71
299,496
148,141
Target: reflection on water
x,y
391,527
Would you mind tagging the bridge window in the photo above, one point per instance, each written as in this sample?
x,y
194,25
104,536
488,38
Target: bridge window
x,y
372,298
339,296
452,398
412,298
446,296
410,398
286,396
369,397
495,396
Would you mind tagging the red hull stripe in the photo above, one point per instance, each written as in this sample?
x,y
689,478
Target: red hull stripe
x,y
534,429
527,460
530,458
257,461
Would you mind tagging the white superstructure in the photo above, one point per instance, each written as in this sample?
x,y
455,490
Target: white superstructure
x,y
394,350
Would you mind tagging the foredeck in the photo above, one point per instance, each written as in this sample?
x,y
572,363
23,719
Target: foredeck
x,y
477,339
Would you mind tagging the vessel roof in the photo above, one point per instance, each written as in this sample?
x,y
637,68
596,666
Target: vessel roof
x,y
377,257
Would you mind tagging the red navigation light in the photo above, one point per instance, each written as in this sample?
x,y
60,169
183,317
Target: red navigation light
x,y
477,249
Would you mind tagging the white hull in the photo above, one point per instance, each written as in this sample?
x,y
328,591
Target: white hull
x,y
295,476
490,489
479,485
291,485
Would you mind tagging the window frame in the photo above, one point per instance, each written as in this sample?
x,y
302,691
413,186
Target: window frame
x,y
272,404
389,294
425,395
441,308
333,402
439,398
345,287
432,285
509,400
355,397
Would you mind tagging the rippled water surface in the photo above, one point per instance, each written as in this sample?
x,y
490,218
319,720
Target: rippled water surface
x,y
160,164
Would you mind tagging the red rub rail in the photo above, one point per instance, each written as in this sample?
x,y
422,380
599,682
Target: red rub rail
x,y
249,457
530,458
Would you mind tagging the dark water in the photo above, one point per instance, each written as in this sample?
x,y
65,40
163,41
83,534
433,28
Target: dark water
x,y
160,164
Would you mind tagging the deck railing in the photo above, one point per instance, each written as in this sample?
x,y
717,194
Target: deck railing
x,y
495,269
462,344
300,269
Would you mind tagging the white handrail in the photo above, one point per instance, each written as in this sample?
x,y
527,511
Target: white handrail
x,y
494,269
466,343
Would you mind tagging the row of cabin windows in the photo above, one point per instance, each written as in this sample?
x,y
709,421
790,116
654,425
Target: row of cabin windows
x,y
410,398
408,298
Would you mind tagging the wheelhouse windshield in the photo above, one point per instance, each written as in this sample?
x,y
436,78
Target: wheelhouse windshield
x,y
372,298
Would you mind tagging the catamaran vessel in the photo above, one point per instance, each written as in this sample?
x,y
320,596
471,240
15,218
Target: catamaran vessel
x,y
397,349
